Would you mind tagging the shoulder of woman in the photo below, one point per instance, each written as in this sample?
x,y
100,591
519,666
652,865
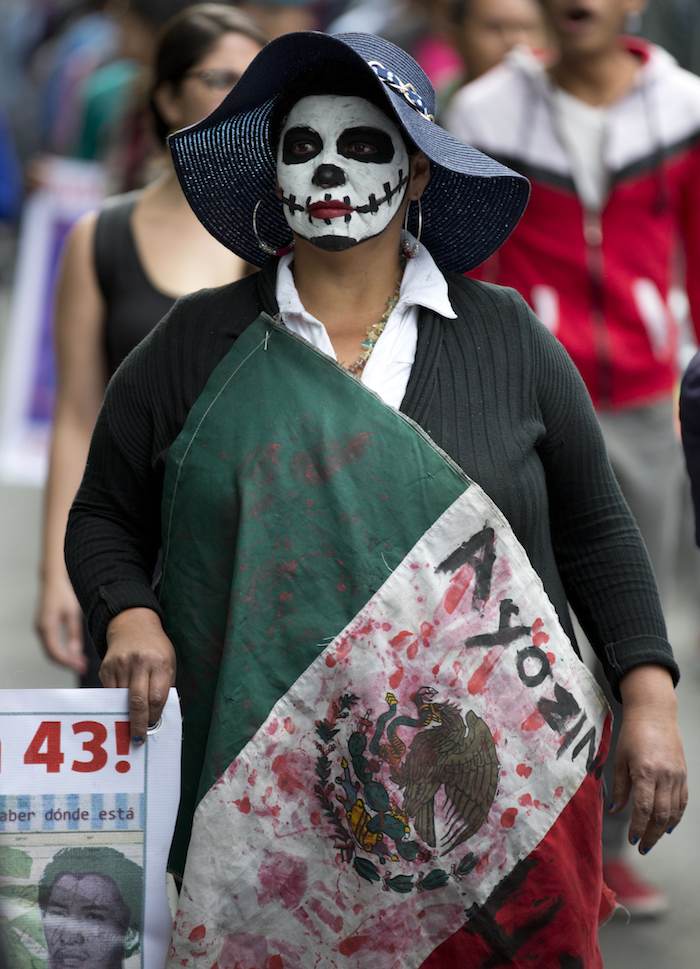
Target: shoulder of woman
x,y
510,326
229,306
496,306
197,327
116,209
163,376
77,279
81,234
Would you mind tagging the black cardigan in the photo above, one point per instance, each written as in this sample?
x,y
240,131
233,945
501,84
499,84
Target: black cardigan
x,y
493,388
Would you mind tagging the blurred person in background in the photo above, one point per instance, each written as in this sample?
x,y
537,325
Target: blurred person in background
x,y
47,52
107,91
277,17
608,136
419,26
484,31
84,41
30,31
368,15
130,151
123,268
94,72
115,118
434,48
454,41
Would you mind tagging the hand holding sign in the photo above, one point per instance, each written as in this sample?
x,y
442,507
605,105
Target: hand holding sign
x,y
141,658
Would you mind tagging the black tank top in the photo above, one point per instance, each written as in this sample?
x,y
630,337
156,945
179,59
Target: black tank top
x,y
133,304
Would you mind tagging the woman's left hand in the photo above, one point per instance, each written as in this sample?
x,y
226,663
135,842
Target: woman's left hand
x,y
650,765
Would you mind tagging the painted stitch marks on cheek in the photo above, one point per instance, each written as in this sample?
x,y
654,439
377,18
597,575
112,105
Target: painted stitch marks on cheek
x,y
342,168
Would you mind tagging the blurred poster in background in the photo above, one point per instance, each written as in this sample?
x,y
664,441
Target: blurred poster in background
x,y
27,380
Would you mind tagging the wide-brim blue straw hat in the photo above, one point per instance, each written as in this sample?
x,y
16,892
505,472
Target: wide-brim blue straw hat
x,y
226,163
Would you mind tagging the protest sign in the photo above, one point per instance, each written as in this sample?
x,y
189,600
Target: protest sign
x,y
86,821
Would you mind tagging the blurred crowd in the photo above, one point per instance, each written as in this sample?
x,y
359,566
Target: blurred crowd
x,y
74,74
91,80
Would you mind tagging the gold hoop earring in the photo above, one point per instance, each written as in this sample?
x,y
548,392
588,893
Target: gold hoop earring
x,y
410,249
266,248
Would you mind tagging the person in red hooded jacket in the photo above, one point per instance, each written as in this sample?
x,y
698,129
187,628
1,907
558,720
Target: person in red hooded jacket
x,y
609,135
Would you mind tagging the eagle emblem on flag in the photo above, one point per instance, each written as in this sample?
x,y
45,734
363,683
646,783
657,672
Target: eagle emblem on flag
x,y
391,770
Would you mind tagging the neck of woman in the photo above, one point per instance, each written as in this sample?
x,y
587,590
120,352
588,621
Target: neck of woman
x,y
348,291
165,190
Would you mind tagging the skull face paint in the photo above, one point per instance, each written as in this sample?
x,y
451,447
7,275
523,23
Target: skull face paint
x,y
342,168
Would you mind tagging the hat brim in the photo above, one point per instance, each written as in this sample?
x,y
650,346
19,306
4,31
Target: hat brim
x,y
226,164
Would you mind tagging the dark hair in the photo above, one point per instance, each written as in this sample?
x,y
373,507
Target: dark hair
x,y
187,38
325,80
106,862
457,11
155,12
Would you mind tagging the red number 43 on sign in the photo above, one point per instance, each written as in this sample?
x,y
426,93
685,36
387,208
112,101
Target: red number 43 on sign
x,y
45,746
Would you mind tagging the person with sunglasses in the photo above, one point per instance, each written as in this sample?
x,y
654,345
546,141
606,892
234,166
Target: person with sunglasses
x,y
122,270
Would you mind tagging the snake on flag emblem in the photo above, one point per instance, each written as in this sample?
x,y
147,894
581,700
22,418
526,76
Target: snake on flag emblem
x,y
448,754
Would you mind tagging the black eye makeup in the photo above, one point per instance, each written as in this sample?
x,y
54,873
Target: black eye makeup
x,y
300,145
366,145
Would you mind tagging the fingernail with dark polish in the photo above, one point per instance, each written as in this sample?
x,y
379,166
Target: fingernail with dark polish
x,y
671,829
137,741
634,841
644,851
612,806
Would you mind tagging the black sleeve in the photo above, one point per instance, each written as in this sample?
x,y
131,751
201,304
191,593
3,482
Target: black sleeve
x,y
599,551
690,430
113,536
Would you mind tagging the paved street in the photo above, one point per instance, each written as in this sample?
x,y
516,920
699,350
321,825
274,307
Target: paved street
x,y
673,943
670,944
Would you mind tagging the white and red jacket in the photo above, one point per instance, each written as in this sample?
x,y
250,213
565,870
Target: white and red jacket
x,y
599,279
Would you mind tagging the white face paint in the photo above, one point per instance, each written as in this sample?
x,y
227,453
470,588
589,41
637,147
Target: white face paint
x,y
343,168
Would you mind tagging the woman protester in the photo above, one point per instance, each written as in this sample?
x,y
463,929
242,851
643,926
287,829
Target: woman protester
x,y
123,269
374,484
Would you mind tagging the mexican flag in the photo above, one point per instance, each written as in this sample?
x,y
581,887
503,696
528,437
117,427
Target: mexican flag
x,y
392,753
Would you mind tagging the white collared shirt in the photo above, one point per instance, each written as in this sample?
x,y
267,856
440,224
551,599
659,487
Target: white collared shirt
x,y
389,366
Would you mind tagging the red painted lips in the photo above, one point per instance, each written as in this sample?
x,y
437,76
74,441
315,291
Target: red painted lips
x,y
333,209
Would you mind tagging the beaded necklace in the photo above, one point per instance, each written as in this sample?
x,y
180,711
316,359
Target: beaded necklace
x,y
375,330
